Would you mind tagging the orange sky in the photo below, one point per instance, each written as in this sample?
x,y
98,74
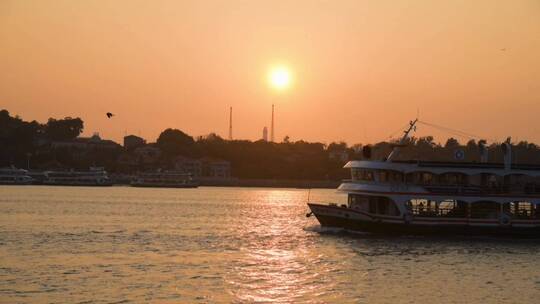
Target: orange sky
x,y
362,68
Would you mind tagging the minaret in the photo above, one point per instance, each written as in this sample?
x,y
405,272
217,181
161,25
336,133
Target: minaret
x,y
230,123
265,134
272,126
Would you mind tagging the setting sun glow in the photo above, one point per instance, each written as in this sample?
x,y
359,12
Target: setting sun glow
x,y
280,78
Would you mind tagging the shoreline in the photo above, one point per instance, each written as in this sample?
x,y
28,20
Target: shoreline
x,y
262,183
253,183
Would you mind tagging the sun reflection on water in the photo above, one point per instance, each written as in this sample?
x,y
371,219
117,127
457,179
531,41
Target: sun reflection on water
x,y
275,263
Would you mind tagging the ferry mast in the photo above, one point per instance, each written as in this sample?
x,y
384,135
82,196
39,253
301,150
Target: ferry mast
x,y
395,150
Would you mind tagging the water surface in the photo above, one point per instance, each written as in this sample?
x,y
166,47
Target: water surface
x,y
234,245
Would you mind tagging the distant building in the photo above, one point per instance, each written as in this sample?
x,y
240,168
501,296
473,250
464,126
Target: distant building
x,y
339,155
128,160
216,168
147,154
188,165
131,142
81,147
265,134
219,169
94,142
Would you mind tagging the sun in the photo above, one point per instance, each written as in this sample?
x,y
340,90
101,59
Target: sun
x,y
280,78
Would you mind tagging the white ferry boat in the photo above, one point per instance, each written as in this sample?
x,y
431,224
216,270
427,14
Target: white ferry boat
x,y
14,176
396,197
96,176
166,179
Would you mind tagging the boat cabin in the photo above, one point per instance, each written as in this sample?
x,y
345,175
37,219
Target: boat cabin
x,y
449,177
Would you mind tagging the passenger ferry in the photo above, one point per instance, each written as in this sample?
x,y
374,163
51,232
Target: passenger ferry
x,y
417,197
166,179
96,176
14,176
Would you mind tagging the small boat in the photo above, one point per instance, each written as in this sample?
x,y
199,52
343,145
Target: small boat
x,y
96,176
166,179
14,176
437,198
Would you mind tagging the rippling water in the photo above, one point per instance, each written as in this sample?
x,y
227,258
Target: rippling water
x,y
234,245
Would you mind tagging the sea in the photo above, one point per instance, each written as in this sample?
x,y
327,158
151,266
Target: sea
x,y
235,245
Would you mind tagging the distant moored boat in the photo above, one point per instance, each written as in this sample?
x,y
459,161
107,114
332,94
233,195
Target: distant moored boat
x,y
14,176
166,179
96,176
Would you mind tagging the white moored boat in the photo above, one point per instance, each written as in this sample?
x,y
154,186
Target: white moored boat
x,y
96,176
166,179
397,197
14,176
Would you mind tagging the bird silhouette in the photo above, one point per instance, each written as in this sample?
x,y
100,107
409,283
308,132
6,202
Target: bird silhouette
x,y
109,114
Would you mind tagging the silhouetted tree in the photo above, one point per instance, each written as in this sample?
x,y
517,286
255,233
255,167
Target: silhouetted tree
x,y
451,144
63,129
174,141
334,146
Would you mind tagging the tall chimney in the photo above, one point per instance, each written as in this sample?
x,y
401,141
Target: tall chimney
x,y
230,123
272,126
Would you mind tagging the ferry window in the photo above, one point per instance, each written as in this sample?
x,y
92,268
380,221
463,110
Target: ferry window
x,y
353,175
519,209
396,176
409,177
373,205
359,202
368,175
485,209
427,178
424,207
452,208
490,180
424,178
453,178
383,176
383,205
361,174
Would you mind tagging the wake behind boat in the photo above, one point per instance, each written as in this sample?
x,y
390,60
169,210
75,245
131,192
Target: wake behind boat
x,y
395,197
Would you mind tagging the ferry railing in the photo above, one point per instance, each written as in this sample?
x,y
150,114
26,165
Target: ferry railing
x,y
461,212
427,211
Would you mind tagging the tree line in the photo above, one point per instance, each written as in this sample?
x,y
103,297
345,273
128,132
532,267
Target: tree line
x,y
21,140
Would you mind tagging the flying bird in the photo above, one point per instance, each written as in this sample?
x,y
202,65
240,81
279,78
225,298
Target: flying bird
x,y
503,49
109,114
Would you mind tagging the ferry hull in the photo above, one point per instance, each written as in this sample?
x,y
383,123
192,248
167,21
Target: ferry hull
x,y
341,217
6,183
107,184
141,185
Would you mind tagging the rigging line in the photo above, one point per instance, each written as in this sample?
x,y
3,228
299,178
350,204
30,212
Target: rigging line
x,y
456,132
451,131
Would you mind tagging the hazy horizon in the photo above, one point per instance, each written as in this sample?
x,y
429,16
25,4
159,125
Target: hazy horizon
x,y
360,69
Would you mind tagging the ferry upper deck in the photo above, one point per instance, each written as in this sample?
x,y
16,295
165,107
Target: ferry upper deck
x,y
446,177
